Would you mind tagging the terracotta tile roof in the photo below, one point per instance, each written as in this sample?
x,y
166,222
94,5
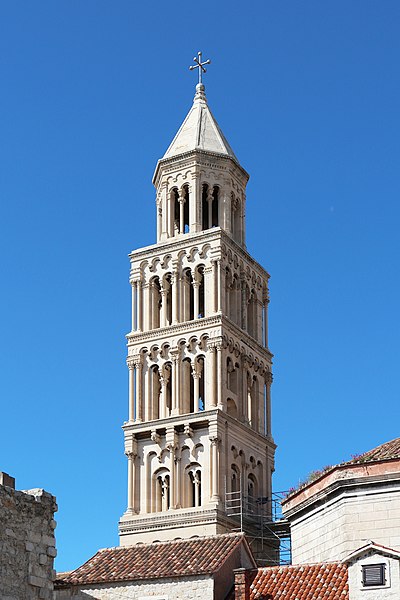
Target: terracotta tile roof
x,y
326,581
386,451
195,556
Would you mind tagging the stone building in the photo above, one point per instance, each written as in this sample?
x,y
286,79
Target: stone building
x,y
27,543
178,570
346,506
199,364
345,528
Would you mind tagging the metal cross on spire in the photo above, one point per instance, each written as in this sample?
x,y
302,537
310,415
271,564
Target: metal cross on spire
x,y
199,65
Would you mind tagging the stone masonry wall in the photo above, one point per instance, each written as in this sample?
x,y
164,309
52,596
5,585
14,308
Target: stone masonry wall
x,y
182,588
27,543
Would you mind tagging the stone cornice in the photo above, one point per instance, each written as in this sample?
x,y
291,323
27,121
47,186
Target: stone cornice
x,y
201,326
195,158
186,240
338,489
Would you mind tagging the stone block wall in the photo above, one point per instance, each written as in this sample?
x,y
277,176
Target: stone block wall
x,y
174,588
27,543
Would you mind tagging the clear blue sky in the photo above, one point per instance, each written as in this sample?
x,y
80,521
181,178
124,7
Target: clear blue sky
x,y
92,92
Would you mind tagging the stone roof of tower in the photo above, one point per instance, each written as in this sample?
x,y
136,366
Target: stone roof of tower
x,y
199,131
327,581
178,558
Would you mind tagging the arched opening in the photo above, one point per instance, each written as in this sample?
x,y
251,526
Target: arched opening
x,y
187,296
235,479
186,205
162,491
204,206
167,401
195,488
155,303
167,299
201,292
252,313
187,387
155,389
236,224
232,408
231,375
215,208
252,493
200,367
176,210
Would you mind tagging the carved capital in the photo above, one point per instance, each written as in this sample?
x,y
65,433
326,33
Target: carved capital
x,y
215,440
155,437
188,430
268,377
131,455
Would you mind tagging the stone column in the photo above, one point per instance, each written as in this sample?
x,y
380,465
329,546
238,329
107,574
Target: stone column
x,y
219,375
195,201
172,484
131,367
210,199
175,297
175,385
163,316
139,315
181,201
215,285
268,382
149,409
139,389
164,230
131,481
134,292
196,287
212,402
219,295
245,390
178,475
159,217
214,450
196,388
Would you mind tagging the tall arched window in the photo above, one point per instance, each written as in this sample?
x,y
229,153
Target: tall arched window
x,y
187,387
187,301
215,208
195,487
155,303
155,389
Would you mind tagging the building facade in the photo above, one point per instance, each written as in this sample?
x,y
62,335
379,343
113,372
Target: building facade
x,y
199,424
347,506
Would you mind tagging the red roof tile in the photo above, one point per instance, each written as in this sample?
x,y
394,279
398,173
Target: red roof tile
x,y
195,556
386,451
326,581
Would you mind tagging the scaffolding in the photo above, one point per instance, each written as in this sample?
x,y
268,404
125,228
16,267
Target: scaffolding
x,y
261,520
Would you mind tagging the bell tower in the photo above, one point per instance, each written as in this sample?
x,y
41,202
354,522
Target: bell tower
x,y
199,422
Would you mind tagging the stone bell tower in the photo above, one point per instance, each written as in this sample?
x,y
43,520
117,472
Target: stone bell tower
x,y
199,366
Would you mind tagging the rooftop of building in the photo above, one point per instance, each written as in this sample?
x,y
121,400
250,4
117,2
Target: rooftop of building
x,y
177,558
199,131
380,455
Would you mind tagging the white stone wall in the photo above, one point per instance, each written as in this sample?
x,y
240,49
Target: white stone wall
x,y
390,591
345,523
27,544
189,588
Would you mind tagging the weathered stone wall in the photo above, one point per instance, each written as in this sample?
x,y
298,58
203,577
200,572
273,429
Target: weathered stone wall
x,y
182,588
333,530
27,543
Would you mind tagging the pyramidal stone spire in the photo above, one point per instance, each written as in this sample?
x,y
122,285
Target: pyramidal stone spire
x,y
200,131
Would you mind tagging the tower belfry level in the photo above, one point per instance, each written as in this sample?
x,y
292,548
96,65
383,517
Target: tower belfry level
x,y
199,364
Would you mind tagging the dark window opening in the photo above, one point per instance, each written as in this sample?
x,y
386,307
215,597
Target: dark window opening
x,y
373,575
